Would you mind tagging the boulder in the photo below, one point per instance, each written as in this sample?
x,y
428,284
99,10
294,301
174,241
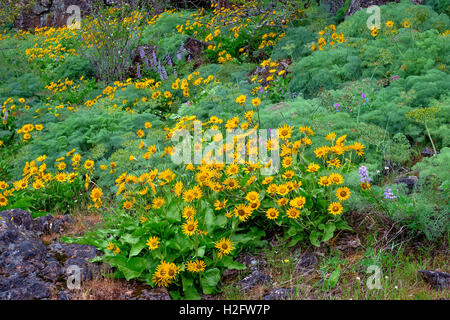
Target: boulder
x,y
410,182
439,280
255,278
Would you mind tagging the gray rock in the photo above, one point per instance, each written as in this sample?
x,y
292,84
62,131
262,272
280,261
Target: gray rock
x,y
439,280
253,263
410,182
64,295
255,278
279,294
428,152
306,263
153,294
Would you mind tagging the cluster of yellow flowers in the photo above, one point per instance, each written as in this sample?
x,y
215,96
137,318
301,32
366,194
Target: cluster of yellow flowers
x,y
21,34
49,43
36,175
3,35
4,110
328,36
270,72
27,129
237,186
267,42
60,86
155,18
233,20
390,28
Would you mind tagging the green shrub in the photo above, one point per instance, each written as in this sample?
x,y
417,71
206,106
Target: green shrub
x,y
327,69
74,67
294,45
436,168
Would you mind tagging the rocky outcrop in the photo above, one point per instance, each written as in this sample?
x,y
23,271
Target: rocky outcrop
x,y
28,268
50,13
31,269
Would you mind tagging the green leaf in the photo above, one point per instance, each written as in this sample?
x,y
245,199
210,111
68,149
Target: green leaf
x,y
295,240
343,225
96,259
314,238
175,295
128,238
209,280
22,204
292,231
131,268
229,263
334,277
328,231
201,252
173,213
190,292
137,247
210,219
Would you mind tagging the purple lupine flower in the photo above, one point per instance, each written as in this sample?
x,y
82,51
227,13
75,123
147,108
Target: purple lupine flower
x,y
141,52
164,72
364,174
138,71
337,106
388,194
155,61
159,68
169,59
363,96
292,115
146,62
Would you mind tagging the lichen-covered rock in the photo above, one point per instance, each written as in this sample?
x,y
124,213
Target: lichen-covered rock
x,y
29,269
